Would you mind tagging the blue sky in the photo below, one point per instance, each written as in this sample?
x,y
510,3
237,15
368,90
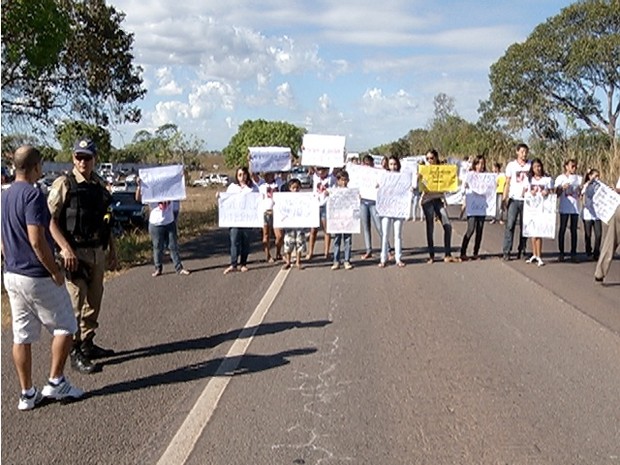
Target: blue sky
x,y
363,69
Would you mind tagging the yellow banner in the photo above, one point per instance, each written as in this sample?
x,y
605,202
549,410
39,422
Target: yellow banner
x,y
438,178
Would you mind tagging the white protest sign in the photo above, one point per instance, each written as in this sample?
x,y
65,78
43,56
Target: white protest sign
x,y
240,210
270,159
162,183
411,165
394,196
539,214
605,201
294,210
480,198
324,151
343,211
365,178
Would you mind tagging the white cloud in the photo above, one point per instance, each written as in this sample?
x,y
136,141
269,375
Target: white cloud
x,y
168,112
284,96
206,99
375,103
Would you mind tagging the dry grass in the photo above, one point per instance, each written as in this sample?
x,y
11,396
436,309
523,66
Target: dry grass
x,y
198,215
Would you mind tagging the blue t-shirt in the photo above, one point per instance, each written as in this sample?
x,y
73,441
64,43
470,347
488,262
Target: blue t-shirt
x,y
23,205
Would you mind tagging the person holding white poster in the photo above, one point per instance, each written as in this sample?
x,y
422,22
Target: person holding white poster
x,y
342,179
568,188
368,212
475,222
395,223
239,237
163,232
539,185
433,204
294,239
322,182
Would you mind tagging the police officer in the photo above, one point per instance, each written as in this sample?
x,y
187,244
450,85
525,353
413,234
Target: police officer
x,y
81,227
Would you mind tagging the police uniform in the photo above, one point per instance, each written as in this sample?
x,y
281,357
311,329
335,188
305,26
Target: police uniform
x,y
80,207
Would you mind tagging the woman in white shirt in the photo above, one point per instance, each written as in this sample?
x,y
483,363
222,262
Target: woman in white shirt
x,y
538,184
568,188
239,237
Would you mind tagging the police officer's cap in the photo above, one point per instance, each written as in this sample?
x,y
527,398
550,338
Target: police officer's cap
x,y
85,146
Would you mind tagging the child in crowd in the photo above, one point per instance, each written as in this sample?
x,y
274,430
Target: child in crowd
x,y
474,223
239,237
539,184
590,219
294,239
342,180
322,181
395,223
568,187
267,186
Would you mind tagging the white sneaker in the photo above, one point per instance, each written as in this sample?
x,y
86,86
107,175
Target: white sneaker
x,y
29,402
61,391
540,262
532,259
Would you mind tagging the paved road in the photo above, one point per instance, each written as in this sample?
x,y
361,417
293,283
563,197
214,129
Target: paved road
x,y
475,363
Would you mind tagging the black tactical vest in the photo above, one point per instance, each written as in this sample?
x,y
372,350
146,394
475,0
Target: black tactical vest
x,y
82,218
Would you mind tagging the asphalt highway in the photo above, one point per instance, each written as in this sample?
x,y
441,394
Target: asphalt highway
x,y
485,362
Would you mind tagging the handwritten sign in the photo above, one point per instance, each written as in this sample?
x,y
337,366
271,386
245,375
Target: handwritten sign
x,y
539,215
411,165
270,159
438,178
162,183
480,198
605,201
366,179
294,210
343,211
321,150
240,210
394,195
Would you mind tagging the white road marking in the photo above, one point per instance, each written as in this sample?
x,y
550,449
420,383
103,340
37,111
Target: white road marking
x,y
186,437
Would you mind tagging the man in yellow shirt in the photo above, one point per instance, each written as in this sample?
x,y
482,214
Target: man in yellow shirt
x,y
501,183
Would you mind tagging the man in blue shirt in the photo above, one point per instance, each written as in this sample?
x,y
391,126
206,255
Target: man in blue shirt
x,y
34,282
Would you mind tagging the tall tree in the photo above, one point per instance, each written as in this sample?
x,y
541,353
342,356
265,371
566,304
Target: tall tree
x,y
566,74
67,58
261,133
68,132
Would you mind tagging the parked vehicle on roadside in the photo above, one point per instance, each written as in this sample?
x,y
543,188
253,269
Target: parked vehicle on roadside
x,y
301,173
127,212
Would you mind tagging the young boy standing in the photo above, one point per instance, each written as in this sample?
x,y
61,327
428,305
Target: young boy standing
x,y
294,239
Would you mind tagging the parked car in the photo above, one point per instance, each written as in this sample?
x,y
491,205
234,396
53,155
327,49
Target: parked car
x,y
301,173
128,212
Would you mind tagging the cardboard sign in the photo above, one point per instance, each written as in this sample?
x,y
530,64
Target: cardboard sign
x,y
270,159
295,210
394,196
240,210
438,178
343,211
323,151
539,215
162,183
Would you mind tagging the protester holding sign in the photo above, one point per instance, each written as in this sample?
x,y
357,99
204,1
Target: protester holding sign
x,y
433,204
610,245
368,211
539,185
294,238
390,222
517,172
322,181
163,232
590,218
239,237
568,188
342,179
475,222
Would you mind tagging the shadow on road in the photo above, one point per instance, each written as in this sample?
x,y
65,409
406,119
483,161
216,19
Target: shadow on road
x,y
223,366
209,342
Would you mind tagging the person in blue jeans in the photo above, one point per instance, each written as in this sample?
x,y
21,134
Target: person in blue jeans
x,y
517,183
368,215
342,239
239,237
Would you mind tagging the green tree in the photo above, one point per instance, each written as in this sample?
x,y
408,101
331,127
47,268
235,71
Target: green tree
x,y
167,144
68,132
67,57
261,133
565,75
